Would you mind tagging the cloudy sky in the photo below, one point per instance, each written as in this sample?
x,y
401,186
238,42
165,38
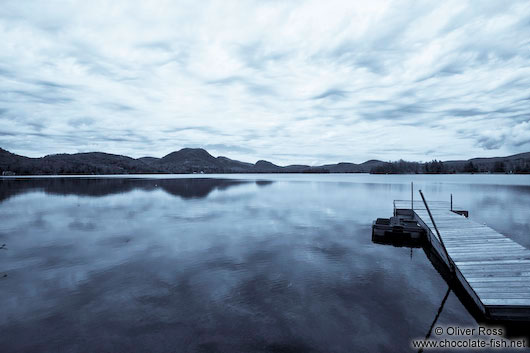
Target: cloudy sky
x,y
286,81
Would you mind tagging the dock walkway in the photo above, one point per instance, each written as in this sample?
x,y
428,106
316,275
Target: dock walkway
x,y
493,269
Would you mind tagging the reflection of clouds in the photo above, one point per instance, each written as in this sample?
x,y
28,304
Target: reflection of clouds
x,y
289,266
506,211
85,226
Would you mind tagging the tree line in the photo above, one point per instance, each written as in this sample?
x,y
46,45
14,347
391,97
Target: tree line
x,y
439,167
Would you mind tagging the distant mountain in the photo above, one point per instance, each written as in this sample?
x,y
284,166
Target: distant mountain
x,y
148,160
79,163
198,160
265,166
189,160
515,163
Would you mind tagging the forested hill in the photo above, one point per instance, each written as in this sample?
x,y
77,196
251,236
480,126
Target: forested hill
x,y
517,164
198,160
186,160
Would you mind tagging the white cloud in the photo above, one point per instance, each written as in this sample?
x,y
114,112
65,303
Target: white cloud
x,y
304,82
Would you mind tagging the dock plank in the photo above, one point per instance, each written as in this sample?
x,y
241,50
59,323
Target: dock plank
x,y
507,302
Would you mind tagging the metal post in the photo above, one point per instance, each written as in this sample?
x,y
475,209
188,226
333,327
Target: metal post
x,y
412,195
451,265
451,202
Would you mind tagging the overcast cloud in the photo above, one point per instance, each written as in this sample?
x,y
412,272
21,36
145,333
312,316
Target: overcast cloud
x,y
286,81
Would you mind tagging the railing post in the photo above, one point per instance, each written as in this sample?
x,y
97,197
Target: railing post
x,y
450,262
412,196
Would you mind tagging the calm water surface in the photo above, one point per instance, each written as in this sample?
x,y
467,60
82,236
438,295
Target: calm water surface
x,y
243,263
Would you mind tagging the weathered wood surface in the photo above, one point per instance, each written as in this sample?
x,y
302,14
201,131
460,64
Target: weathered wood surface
x,y
493,266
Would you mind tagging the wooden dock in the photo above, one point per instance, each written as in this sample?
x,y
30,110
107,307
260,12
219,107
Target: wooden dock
x,y
493,269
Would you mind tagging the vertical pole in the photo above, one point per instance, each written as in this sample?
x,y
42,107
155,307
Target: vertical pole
x,y
451,202
449,260
412,195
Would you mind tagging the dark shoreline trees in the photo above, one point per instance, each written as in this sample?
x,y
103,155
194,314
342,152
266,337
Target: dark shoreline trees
x,y
456,167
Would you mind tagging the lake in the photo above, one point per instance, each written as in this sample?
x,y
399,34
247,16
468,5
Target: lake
x,y
228,263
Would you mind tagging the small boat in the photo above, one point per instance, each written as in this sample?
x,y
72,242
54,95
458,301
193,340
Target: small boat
x,y
397,229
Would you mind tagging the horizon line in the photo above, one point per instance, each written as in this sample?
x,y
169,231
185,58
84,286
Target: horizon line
x,y
258,160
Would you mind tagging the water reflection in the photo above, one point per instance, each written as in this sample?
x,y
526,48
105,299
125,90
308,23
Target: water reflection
x,y
252,267
185,188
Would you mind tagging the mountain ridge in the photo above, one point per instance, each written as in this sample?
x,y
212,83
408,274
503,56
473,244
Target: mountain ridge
x,y
198,160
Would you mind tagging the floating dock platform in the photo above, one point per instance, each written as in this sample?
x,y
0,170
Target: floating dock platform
x,y
493,269
398,231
